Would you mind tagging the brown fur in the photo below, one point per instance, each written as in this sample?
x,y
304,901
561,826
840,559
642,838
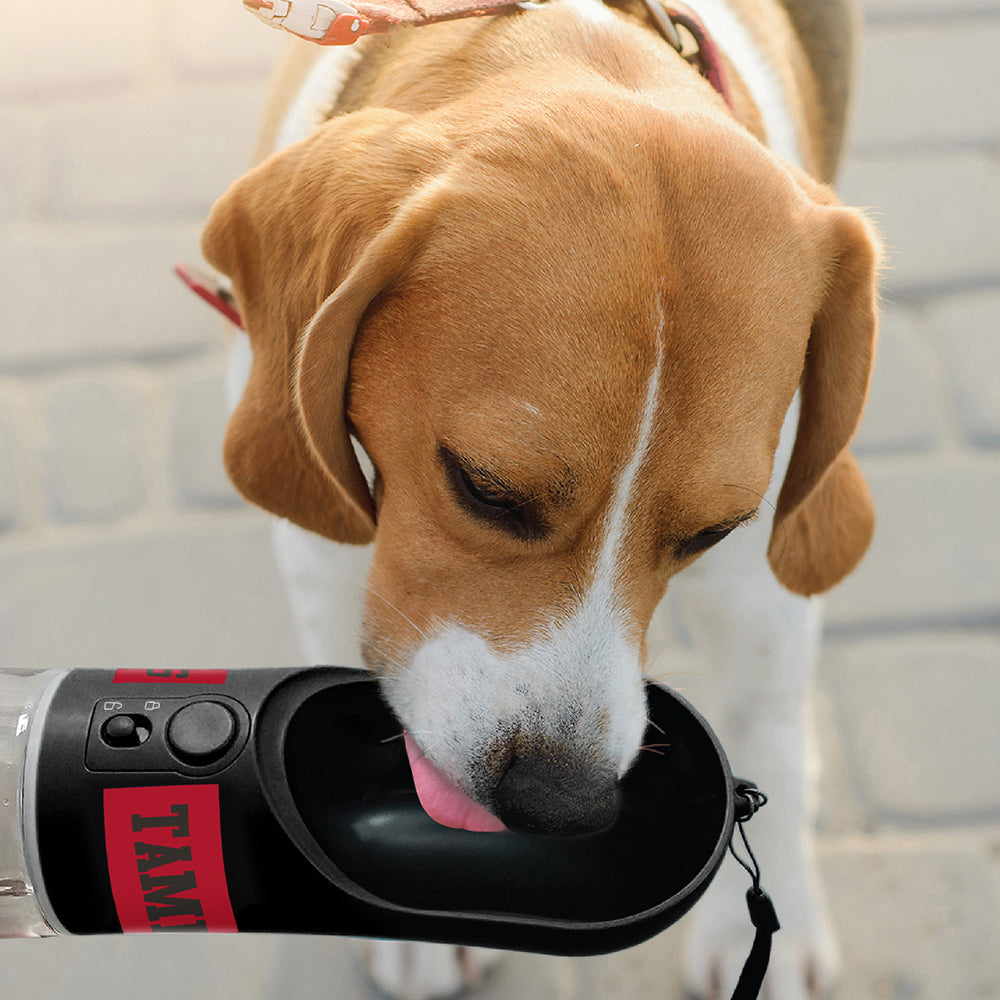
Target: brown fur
x,y
484,259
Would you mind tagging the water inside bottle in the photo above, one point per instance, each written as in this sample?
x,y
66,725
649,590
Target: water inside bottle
x,y
21,693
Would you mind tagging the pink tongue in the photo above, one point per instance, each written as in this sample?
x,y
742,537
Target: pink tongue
x,y
442,800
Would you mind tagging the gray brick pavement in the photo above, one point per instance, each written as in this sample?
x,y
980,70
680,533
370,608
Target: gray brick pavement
x,y
966,331
90,295
194,591
197,427
116,134
916,919
938,210
205,42
15,126
903,416
62,49
898,12
922,100
935,558
167,967
97,170
92,461
10,475
915,761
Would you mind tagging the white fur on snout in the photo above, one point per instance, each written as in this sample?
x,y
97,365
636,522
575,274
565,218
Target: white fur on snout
x,y
577,683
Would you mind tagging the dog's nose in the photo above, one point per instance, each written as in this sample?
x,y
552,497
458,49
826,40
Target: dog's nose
x,y
542,795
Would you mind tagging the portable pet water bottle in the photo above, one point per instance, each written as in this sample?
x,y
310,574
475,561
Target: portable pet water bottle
x,y
22,697
281,800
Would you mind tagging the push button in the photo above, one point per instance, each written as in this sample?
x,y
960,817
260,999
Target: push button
x,y
201,733
125,731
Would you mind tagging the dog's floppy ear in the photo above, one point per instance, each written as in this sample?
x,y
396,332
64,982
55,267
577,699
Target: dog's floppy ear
x,y
308,238
825,517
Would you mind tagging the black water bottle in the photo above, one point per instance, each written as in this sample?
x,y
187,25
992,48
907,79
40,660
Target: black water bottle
x,y
281,800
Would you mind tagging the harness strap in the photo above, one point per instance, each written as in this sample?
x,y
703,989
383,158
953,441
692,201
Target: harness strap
x,y
336,22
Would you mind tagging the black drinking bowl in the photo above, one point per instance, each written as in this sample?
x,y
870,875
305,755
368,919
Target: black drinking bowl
x,y
282,801
340,784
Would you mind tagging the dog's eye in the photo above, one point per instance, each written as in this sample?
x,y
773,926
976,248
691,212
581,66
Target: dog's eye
x,y
490,494
490,500
700,542
705,539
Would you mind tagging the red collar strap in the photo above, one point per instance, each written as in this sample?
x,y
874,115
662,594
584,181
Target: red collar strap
x,y
207,288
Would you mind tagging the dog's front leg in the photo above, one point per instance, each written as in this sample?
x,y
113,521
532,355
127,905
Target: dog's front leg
x,y
325,585
419,970
758,644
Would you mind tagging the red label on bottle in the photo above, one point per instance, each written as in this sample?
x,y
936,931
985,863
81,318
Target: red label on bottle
x,y
164,846
132,676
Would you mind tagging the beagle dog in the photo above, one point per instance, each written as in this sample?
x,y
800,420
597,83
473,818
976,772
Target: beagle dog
x,y
536,320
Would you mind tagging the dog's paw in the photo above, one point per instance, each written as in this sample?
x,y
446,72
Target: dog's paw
x,y
417,970
803,962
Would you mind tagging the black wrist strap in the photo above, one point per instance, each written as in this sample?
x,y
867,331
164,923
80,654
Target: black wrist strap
x,y
762,915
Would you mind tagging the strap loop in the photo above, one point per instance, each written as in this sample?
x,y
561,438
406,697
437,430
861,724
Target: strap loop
x,y
749,798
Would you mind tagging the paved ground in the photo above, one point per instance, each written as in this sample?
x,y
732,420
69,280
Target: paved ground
x,y
121,543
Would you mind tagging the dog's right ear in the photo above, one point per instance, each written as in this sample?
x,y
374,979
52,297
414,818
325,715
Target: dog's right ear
x,y
824,517
308,238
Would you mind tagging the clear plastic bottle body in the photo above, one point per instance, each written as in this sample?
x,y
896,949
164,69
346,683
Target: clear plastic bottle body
x,y
23,698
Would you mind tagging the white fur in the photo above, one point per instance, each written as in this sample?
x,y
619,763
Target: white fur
x,y
735,40
238,369
753,646
595,11
606,572
579,683
325,80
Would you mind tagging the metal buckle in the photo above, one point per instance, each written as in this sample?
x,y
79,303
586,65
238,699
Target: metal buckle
x,y
325,22
665,26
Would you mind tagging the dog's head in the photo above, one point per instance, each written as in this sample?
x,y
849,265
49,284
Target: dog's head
x,y
568,352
